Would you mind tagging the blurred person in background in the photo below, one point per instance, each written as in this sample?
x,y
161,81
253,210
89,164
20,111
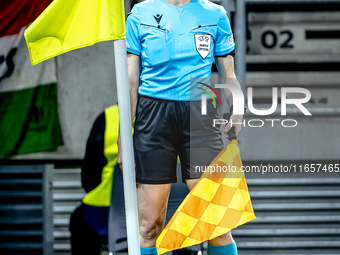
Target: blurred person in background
x,y
89,222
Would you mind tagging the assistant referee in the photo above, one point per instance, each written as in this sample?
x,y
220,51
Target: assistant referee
x,y
175,41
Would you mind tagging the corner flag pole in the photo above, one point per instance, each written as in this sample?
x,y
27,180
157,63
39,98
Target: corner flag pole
x,y
240,40
130,196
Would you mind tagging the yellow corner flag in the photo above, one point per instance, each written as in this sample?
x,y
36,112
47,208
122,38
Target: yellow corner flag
x,y
66,25
218,203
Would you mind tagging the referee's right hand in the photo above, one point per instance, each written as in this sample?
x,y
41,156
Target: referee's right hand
x,y
119,156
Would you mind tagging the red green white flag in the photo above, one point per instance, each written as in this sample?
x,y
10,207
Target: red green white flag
x,y
29,120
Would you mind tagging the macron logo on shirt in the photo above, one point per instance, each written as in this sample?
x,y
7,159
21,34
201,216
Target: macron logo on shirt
x,y
158,18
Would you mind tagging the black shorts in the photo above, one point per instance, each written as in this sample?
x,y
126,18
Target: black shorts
x,y
164,129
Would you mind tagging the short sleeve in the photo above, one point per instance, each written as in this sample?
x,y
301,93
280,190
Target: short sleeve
x,y
132,32
224,42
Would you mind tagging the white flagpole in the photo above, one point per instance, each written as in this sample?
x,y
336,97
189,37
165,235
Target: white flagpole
x,y
130,196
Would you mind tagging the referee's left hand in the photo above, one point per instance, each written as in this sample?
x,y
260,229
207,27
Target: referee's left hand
x,y
236,121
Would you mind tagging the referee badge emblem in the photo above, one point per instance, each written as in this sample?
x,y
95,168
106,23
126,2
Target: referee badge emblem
x,y
202,43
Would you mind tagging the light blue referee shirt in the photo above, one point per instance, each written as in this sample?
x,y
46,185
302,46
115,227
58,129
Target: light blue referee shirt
x,y
177,44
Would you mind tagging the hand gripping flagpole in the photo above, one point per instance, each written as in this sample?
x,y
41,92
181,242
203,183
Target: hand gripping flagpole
x,y
127,150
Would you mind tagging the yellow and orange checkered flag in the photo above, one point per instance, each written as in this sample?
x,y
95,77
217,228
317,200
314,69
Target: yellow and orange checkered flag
x,y
219,202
